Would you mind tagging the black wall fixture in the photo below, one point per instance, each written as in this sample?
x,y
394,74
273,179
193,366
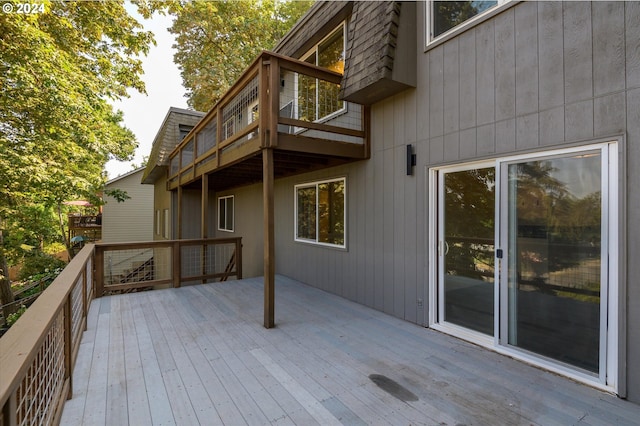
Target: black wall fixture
x,y
411,160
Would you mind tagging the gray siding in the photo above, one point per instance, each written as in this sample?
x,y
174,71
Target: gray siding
x,y
538,75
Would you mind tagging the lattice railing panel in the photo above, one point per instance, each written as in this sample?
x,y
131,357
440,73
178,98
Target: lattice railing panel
x,y
76,308
208,259
39,391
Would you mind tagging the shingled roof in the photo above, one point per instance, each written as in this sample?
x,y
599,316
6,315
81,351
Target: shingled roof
x,y
380,50
167,138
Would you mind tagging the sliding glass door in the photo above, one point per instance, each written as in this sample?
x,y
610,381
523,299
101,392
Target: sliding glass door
x,y
467,234
526,255
554,235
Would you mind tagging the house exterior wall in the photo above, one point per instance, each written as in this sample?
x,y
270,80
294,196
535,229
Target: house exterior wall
x,y
248,224
536,76
130,220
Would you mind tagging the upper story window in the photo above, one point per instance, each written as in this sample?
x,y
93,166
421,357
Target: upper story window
x,y
445,16
318,99
183,130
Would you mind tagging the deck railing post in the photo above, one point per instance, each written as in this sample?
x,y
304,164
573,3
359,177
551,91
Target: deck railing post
x,y
9,411
239,258
176,263
68,341
84,291
98,272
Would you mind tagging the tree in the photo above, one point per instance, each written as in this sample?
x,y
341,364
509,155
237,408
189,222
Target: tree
x,y
58,70
217,40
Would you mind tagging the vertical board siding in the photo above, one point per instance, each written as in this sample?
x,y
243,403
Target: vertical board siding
x,y
537,75
132,220
633,247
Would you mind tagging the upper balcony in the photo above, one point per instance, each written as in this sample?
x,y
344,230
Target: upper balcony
x,y
281,103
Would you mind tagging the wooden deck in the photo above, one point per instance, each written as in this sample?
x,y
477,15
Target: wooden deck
x,y
199,355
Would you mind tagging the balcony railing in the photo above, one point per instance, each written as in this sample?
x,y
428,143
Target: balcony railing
x,y
38,352
87,226
280,103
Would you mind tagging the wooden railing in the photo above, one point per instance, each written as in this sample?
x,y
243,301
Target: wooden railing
x,y
281,103
38,353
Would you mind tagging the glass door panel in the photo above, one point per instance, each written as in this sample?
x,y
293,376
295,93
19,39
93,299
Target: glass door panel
x,y
554,234
467,248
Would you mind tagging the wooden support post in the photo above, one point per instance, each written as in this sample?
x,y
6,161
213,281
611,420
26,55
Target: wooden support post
x,y
274,107
204,209
269,237
179,213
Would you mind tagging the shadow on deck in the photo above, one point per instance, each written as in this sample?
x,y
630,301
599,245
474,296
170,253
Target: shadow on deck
x,y
199,355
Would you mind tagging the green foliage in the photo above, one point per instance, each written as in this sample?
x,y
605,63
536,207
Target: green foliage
x,y
36,265
12,318
217,40
58,71
54,248
118,194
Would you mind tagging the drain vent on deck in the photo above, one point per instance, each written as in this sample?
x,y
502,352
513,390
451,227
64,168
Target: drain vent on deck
x,y
393,387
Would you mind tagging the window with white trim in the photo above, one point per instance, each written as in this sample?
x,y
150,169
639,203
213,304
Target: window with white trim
x,y
225,213
320,212
318,99
444,16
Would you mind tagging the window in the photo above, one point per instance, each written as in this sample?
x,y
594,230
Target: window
x,y
166,230
318,99
158,223
183,130
443,16
225,213
320,212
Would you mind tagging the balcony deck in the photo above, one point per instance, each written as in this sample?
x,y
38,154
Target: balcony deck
x,y
199,355
279,103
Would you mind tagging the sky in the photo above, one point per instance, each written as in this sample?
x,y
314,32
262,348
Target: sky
x,y
143,114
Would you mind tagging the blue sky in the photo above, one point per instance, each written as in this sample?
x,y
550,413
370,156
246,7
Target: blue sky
x,y
143,114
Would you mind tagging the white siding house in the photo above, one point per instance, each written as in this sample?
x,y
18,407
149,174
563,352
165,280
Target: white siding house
x,y
130,220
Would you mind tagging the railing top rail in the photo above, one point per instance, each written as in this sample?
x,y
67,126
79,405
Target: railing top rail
x,y
21,343
165,243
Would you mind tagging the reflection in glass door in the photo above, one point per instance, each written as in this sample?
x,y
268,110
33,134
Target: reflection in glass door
x,y
527,249
466,240
554,263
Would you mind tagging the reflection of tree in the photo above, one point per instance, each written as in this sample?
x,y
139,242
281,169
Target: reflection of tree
x,y
327,213
448,14
469,211
556,230
307,213
331,212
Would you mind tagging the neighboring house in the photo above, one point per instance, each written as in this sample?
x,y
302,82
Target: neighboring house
x,y
477,176
128,221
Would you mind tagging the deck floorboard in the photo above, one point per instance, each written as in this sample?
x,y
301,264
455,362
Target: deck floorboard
x,y
199,355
